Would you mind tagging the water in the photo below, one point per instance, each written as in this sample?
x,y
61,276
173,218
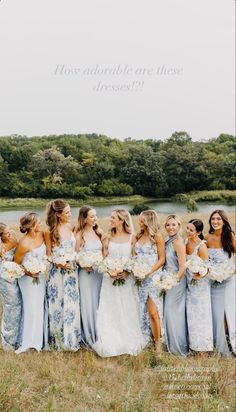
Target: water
x,y
164,207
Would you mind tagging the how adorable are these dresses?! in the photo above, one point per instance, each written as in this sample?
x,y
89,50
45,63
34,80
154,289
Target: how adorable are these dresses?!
x,y
175,322
148,251
118,325
63,301
90,286
12,309
34,331
198,307
223,305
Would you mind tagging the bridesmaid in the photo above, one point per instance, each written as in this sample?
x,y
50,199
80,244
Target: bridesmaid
x,y
221,246
198,297
62,285
10,294
150,244
175,323
33,294
89,238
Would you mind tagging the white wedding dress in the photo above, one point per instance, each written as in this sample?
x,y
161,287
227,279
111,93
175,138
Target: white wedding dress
x,y
118,324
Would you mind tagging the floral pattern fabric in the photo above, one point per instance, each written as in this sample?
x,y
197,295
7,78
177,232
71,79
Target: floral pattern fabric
x,y
64,303
149,252
12,309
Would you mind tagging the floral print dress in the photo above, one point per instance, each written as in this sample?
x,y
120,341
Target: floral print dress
x,y
149,252
64,303
12,309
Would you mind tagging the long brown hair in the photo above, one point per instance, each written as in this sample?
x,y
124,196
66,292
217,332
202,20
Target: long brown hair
x,y
83,214
227,232
53,211
151,221
123,215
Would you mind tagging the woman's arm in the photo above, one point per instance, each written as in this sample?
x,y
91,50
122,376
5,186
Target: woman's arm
x,y
133,243
105,243
180,251
203,252
48,243
78,244
160,243
21,250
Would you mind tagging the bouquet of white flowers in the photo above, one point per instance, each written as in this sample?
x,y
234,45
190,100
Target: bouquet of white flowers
x,y
62,256
88,259
10,271
165,280
197,266
220,272
113,267
139,267
34,265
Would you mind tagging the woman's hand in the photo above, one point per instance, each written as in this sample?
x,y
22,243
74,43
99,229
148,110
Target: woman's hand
x,y
88,269
196,276
32,275
67,266
122,275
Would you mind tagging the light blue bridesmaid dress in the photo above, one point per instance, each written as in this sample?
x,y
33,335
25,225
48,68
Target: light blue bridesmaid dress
x,y
149,252
12,309
64,303
175,322
223,306
33,296
199,315
90,286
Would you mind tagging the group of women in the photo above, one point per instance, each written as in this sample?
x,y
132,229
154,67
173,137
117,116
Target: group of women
x,y
72,307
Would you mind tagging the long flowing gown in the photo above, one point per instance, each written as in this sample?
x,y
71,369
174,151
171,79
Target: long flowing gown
x,y
149,252
118,324
12,309
199,315
223,306
175,321
90,286
64,303
33,296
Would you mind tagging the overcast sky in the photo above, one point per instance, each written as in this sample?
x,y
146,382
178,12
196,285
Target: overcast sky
x,y
124,68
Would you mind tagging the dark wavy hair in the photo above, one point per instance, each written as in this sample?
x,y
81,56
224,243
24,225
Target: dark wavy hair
x,y
227,232
198,224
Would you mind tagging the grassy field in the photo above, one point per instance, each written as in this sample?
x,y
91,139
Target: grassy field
x,y
81,382
209,196
39,202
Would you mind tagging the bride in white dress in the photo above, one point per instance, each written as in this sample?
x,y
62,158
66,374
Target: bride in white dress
x,y
118,324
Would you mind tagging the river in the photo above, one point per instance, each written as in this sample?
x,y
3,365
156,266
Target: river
x,y
162,206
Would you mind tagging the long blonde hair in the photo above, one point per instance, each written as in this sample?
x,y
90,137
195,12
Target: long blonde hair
x,y
83,214
123,215
54,209
151,221
2,228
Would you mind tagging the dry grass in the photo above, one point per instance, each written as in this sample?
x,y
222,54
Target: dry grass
x,y
81,382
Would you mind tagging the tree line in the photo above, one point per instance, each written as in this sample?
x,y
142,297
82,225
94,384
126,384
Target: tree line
x,y
84,165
